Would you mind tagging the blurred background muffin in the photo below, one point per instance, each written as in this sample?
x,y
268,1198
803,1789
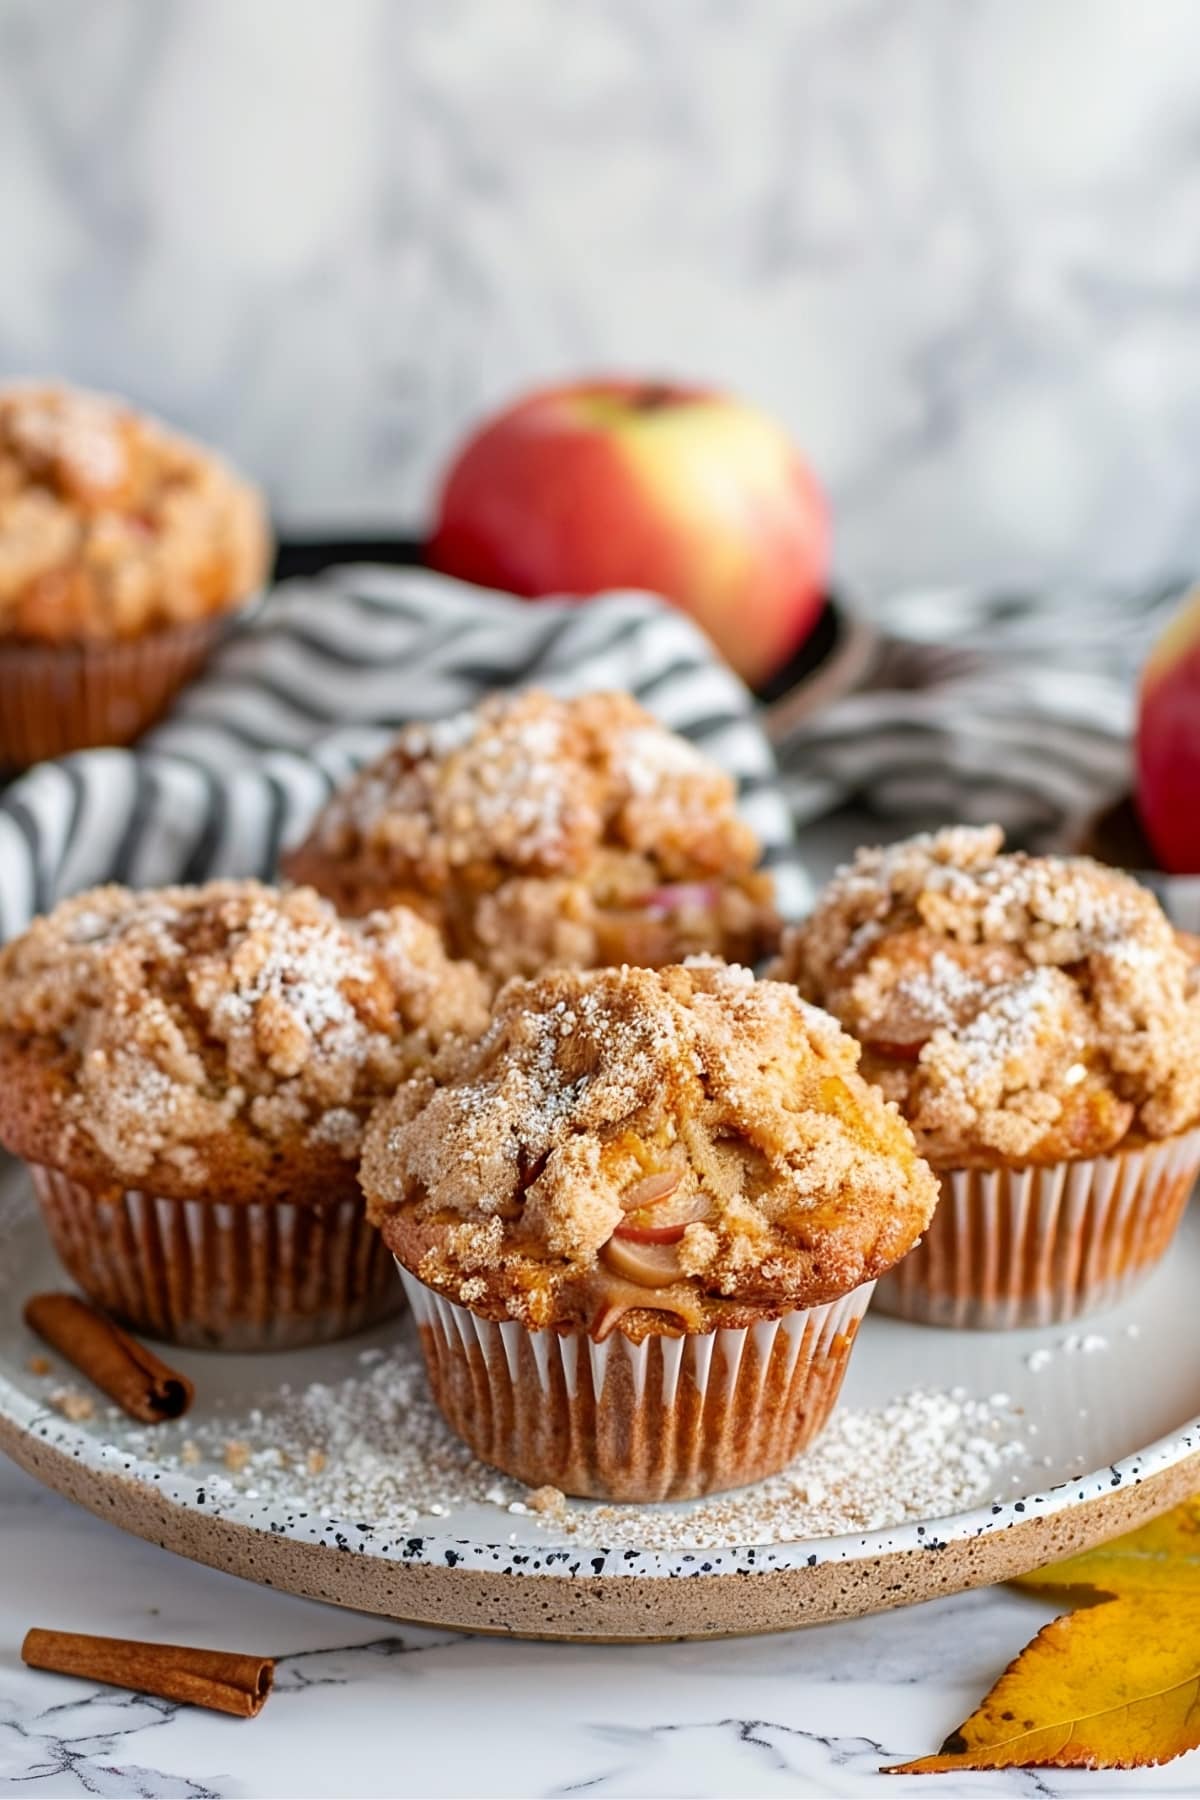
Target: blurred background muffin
x,y
537,832
123,547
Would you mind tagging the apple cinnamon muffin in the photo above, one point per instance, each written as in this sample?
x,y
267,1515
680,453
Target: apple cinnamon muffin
x,y
122,546
187,1072
1037,1020
639,1221
539,832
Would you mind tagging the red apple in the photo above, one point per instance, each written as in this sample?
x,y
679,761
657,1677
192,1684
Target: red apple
x,y
1168,743
609,484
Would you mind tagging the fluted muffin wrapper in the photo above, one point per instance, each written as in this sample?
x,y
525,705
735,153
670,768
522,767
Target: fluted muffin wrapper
x,y
665,1419
1022,1247
221,1275
55,698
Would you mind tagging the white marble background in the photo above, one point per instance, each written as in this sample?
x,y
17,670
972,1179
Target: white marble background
x,y
954,245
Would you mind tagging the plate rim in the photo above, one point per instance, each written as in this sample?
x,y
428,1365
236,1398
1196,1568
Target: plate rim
x,y
635,1609
29,1417
446,1580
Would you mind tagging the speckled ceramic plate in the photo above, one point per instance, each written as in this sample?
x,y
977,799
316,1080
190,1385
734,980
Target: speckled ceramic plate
x,y
1105,1413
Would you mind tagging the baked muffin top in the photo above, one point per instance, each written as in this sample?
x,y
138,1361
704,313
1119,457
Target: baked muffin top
x,y
525,827
530,783
111,524
682,1147
224,1039
1020,1009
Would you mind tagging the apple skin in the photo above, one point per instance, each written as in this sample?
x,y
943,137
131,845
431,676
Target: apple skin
x,y
619,484
1168,743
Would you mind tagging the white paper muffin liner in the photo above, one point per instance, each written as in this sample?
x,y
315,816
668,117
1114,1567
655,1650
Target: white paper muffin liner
x,y
664,1419
1021,1247
218,1274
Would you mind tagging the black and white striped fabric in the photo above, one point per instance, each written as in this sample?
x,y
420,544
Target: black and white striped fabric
x,y
985,706
314,685
978,706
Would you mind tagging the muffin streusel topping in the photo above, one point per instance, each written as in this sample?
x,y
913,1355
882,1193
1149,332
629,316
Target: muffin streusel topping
x,y
110,523
532,783
175,1016
1017,1007
538,832
690,1131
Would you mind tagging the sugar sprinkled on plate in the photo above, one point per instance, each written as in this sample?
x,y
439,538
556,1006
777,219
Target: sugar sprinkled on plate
x,y
1075,1343
373,1446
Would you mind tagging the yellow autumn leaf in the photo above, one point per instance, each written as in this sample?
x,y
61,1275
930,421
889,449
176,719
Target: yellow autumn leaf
x,y
1116,1686
1164,1553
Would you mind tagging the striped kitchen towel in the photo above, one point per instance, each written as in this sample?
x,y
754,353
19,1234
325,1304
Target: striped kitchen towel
x,y
984,706
314,685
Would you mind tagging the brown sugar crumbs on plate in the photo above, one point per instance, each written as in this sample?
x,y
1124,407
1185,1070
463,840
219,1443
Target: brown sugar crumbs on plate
x,y
373,1447
72,1403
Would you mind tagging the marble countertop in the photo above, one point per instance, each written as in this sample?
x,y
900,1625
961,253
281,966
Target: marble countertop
x,y
368,1708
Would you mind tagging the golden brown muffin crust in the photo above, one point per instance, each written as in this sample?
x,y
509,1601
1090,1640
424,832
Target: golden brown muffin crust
x,y
1020,1009
225,1040
111,524
690,1118
536,831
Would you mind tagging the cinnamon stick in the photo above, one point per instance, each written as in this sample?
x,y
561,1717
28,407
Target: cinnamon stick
x,y
222,1680
125,1370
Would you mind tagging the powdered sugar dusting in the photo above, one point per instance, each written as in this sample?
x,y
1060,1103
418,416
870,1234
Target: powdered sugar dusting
x,y
1017,1006
373,1447
587,1082
305,969
1007,1031
941,993
648,757
183,1014
499,781
540,832
524,787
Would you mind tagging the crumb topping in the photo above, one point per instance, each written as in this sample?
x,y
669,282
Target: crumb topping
x,y
110,523
1017,1007
529,828
170,1018
534,783
646,1140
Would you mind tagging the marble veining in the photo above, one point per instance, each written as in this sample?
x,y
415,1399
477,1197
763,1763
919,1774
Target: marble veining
x,y
952,246
379,1710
